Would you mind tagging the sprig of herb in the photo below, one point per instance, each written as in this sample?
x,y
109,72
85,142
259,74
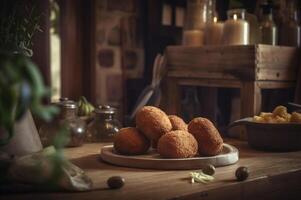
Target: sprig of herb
x,y
18,24
200,177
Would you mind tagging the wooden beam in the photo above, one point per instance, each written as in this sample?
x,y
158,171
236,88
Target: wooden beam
x,y
71,48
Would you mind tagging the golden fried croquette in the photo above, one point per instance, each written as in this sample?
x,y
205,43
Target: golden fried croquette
x,y
177,144
177,123
296,117
153,122
209,140
130,141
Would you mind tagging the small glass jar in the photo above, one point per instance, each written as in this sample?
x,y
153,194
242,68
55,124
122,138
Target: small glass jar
x,y
195,22
67,118
236,28
268,28
104,126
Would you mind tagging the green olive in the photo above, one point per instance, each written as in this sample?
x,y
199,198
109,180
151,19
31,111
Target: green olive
x,y
209,170
115,182
242,173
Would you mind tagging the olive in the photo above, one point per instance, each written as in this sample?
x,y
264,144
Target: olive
x,y
209,170
242,173
115,182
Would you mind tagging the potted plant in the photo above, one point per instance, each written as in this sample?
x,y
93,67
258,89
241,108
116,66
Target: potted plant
x,y
21,85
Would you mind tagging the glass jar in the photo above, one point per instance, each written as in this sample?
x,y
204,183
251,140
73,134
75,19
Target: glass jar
x,y
104,126
236,28
67,118
268,28
195,22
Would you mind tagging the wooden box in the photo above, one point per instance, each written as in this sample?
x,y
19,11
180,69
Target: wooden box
x,y
242,62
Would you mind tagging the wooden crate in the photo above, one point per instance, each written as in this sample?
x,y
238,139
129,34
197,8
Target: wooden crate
x,y
242,62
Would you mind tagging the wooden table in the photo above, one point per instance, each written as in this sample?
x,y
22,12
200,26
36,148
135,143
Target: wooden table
x,y
272,176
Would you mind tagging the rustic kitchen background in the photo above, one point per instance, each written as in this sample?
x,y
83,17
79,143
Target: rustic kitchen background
x,y
105,50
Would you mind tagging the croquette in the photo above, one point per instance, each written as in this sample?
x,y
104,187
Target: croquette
x,y
130,141
177,144
177,123
209,140
152,122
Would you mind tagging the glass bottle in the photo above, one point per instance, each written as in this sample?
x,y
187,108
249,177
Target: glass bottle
x,y
236,28
195,22
75,127
104,126
292,26
268,28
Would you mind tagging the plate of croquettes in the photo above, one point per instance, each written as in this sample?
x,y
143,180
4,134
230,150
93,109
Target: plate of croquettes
x,y
161,141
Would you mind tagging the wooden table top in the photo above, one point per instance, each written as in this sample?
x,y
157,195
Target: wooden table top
x,y
272,175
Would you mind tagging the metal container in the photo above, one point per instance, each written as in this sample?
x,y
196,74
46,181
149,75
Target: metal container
x,y
75,127
104,126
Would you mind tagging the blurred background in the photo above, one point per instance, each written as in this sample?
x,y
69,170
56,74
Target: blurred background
x,y
105,49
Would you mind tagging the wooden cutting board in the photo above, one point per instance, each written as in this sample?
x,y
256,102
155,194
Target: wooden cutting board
x,y
152,159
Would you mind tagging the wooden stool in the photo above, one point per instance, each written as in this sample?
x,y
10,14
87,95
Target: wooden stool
x,y
250,68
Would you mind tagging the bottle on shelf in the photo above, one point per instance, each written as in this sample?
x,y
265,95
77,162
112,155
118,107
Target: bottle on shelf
x,y
291,28
268,28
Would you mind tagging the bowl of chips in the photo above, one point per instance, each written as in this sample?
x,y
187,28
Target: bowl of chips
x,y
275,131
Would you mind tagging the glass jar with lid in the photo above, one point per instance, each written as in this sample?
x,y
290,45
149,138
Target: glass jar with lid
x,y
66,120
236,28
104,126
195,22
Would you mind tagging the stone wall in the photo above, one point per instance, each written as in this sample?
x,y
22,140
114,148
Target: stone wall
x,y
119,49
